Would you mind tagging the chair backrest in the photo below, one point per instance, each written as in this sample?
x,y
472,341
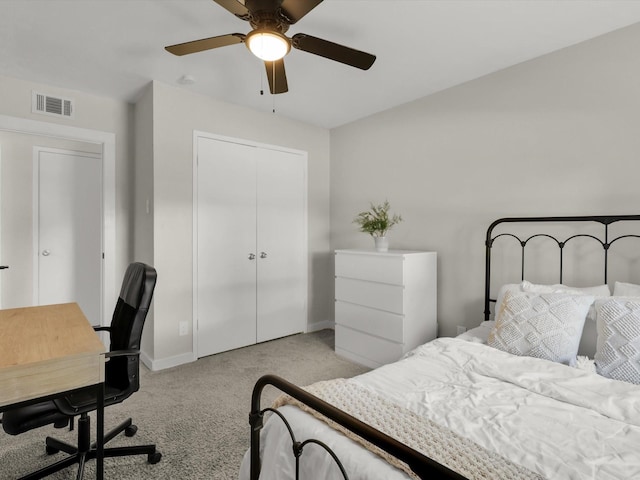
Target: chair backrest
x,y
122,373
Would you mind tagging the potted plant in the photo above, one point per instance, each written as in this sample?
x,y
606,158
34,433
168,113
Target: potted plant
x,y
377,222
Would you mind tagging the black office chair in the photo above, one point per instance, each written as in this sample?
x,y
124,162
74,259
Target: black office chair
x,y
121,380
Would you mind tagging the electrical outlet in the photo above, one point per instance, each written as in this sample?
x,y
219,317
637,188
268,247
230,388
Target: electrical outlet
x,y
184,328
461,329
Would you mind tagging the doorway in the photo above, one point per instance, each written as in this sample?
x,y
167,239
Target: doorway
x,y
67,229
250,242
14,293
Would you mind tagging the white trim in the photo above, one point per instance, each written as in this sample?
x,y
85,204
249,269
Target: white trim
x,y
155,365
108,142
201,134
0,224
321,325
194,212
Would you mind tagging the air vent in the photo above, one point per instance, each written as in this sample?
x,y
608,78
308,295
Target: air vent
x,y
50,105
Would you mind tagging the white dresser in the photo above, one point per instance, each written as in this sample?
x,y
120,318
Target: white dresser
x,y
385,303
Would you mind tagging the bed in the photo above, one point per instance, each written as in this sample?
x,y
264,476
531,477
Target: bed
x,y
548,387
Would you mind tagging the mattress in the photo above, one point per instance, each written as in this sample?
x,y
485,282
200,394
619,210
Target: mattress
x,y
558,421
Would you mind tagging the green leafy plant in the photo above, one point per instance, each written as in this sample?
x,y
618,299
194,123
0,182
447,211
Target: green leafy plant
x,y
376,221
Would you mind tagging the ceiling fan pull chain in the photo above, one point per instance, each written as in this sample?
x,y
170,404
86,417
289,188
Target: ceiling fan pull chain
x,y
273,97
261,84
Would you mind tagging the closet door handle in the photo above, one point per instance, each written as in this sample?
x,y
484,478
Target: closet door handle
x,y
251,256
263,254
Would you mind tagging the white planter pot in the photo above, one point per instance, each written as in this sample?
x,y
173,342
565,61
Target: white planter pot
x,y
382,244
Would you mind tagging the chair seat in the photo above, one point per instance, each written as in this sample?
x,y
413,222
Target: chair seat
x,y
20,420
85,400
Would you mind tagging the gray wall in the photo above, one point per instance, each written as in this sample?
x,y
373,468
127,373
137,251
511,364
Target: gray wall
x,y
555,135
16,210
142,228
95,113
176,114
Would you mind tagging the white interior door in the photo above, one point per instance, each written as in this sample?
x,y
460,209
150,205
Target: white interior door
x,y
68,229
2,266
281,240
226,246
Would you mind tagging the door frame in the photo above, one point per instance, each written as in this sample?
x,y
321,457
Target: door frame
x,y
201,134
0,225
107,141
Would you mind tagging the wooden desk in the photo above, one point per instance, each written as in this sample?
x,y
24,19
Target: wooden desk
x,y
49,350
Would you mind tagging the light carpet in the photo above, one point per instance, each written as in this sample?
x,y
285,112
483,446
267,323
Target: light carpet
x,y
197,414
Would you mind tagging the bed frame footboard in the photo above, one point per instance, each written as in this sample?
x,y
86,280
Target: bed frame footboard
x,y
420,464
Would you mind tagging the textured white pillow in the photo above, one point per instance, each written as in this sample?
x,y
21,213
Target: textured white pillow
x,y
543,325
618,347
621,289
507,287
598,291
524,286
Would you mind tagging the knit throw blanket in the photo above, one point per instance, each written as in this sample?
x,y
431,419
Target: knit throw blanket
x,y
421,434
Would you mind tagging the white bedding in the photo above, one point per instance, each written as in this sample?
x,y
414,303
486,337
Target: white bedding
x,y
555,420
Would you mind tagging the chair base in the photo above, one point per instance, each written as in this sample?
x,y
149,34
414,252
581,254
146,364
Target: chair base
x,y
83,452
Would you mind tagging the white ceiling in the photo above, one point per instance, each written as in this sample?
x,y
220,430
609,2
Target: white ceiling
x,y
115,47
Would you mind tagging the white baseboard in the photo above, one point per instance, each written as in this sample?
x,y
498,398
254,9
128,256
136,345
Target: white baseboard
x,y
164,363
155,365
356,358
316,326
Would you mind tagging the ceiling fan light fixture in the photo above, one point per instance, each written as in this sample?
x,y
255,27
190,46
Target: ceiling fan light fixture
x,y
268,45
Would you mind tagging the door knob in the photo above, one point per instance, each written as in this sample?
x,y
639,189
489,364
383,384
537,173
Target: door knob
x,y
263,254
3,267
251,256
45,253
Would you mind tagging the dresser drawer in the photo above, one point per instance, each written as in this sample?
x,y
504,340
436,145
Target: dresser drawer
x,y
371,294
369,350
370,320
374,268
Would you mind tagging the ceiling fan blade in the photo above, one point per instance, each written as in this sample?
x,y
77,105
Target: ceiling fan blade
x,y
333,51
205,44
294,10
277,76
235,7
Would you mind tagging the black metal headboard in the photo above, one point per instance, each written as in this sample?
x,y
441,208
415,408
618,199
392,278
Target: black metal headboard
x,y
605,241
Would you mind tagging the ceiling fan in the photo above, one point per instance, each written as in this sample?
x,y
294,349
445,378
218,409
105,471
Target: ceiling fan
x,y
270,19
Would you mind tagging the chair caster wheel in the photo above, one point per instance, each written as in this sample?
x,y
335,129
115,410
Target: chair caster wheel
x,y
154,458
51,450
130,431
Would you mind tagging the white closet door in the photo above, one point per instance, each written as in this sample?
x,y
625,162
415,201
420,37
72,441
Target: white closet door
x,y
281,240
226,290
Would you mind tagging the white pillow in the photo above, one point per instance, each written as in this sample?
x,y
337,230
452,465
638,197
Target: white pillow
x,y
618,345
621,289
478,334
543,325
507,287
598,291
519,287
527,286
